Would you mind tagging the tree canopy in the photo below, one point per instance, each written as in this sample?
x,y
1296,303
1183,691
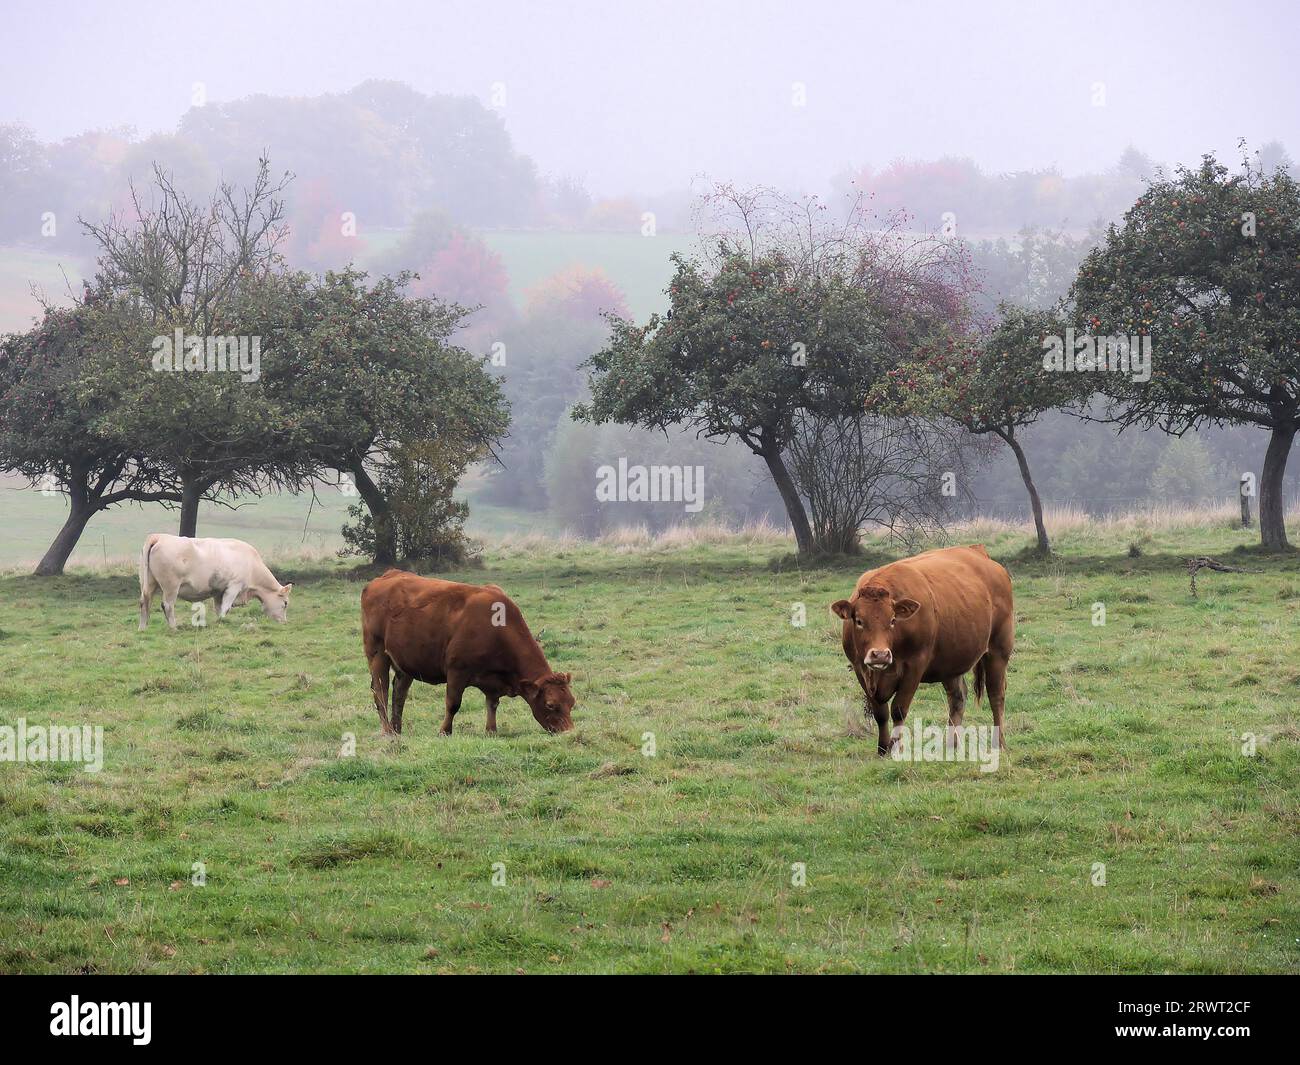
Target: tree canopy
x,y
787,312
1205,265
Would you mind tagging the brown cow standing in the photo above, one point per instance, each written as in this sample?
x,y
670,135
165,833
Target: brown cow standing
x,y
930,619
461,635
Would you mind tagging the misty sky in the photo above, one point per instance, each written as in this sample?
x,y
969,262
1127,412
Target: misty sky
x,y
644,96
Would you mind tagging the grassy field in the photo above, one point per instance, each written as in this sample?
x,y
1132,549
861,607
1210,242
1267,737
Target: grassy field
x,y
280,525
224,745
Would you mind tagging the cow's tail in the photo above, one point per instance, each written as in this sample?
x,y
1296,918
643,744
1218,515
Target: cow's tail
x,y
145,552
981,674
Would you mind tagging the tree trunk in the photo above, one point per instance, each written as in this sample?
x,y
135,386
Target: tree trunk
x,y
381,515
1272,516
794,507
1044,545
191,493
57,555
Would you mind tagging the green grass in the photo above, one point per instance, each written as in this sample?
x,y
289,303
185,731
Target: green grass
x,y
223,747
281,525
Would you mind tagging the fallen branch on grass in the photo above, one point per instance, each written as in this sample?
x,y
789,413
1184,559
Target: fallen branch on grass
x,y
1195,565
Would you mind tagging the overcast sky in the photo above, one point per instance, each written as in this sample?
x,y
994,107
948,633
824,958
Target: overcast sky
x,y
642,96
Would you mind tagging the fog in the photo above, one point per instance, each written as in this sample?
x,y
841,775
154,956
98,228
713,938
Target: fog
x,y
640,98
513,157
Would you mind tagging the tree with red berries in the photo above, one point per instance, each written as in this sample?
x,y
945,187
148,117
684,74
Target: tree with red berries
x,y
786,313
1207,264
993,382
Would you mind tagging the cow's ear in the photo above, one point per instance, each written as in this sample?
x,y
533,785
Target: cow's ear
x,y
286,589
842,608
528,688
905,608
568,677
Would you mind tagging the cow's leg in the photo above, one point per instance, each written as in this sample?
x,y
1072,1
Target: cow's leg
x,y
956,689
880,711
228,600
169,604
379,689
455,689
216,607
492,701
995,678
877,708
903,695
401,685
145,596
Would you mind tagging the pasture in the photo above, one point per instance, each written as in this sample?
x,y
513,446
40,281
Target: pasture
x,y
225,745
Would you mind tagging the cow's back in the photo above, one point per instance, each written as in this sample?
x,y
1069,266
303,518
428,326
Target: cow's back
x,y
413,620
203,556
966,601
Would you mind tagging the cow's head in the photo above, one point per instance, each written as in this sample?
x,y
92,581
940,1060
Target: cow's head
x,y
276,603
551,700
870,618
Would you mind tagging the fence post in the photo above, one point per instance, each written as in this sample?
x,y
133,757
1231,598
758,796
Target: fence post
x,y
1244,490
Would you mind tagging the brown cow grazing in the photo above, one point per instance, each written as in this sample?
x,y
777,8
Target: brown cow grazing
x,y
461,635
930,619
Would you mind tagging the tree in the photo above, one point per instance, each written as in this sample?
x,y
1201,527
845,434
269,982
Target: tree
x,y
469,167
861,469
418,481
561,326
187,268
1036,271
990,383
24,183
1186,472
1273,156
1136,164
55,405
1204,265
787,313
367,369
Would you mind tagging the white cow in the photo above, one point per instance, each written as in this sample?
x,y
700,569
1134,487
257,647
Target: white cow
x,y
229,572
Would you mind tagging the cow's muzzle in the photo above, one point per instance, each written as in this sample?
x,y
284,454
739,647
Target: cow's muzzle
x,y
878,658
